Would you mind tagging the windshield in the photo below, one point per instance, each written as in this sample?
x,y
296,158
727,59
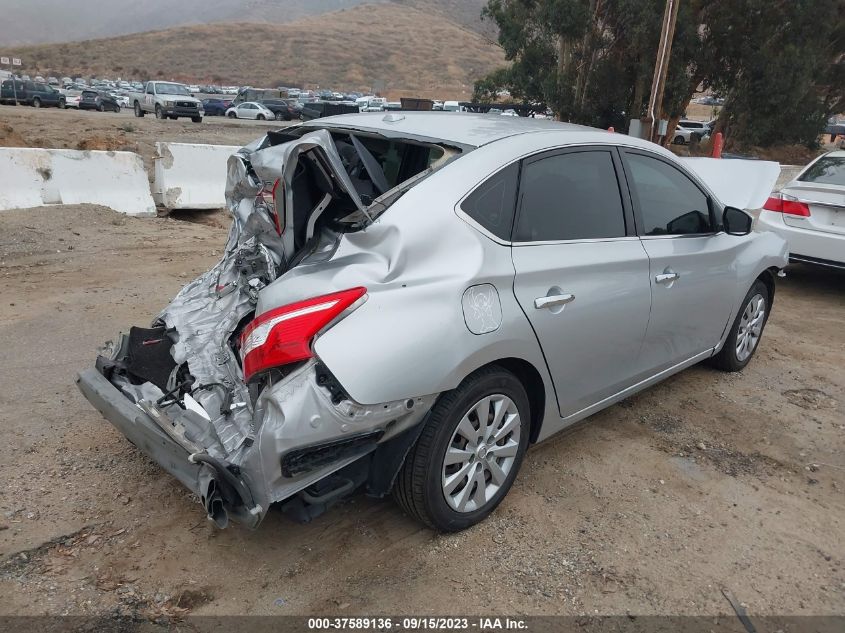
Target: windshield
x,y
172,89
829,170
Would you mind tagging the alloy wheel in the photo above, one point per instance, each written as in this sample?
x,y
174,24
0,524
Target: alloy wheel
x,y
750,327
481,454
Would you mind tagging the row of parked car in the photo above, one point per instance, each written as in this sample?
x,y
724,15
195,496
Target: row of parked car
x,y
42,95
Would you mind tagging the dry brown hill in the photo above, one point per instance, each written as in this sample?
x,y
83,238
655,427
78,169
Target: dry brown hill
x,y
398,50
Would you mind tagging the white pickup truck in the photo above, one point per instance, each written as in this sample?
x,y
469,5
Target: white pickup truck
x,y
166,99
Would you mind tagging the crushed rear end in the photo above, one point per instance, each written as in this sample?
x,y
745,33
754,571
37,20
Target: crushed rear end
x,y
224,391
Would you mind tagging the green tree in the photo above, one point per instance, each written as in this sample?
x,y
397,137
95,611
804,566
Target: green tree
x,y
778,62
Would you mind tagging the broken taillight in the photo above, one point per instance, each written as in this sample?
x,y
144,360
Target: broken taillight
x,y
284,335
782,203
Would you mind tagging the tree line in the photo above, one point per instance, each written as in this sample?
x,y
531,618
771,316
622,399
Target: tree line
x,y
779,64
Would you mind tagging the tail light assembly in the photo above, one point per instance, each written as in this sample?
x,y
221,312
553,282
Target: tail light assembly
x,y
284,335
782,203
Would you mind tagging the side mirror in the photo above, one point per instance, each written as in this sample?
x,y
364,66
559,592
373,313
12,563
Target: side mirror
x,y
736,222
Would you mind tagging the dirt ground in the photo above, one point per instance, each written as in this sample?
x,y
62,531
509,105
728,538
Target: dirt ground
x,y
704,482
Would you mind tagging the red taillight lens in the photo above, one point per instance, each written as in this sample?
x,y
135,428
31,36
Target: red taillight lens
x,y
283,335
784,204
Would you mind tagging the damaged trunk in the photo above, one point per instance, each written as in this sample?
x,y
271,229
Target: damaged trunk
x,y
254,441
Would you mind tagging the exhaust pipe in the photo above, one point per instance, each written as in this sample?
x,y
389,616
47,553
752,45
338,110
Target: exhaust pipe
x,y
213,503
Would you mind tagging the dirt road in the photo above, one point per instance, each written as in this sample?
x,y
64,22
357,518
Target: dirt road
x,y
707,481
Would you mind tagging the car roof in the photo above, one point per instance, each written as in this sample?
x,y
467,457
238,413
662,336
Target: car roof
x,y
463,129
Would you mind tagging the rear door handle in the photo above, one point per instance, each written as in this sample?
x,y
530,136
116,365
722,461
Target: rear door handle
x,y
667,277
553,300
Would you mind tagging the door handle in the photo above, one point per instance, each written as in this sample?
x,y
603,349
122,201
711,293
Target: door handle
x,y
667,277
553,300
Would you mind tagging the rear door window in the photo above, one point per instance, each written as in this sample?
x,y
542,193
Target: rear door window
x,y
570,196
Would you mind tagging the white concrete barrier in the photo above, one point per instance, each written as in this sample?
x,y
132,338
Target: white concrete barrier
x,y
191,176
31,177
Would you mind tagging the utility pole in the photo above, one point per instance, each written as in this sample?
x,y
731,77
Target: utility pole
x,y
661,66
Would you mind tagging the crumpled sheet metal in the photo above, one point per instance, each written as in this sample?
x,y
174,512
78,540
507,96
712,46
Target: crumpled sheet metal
x,y
297,412
204,321
207,310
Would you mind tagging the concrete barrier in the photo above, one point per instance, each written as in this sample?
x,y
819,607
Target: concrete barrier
x,y
191,176
32,177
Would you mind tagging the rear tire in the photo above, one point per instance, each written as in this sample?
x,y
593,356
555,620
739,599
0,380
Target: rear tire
x,y
679,140
746,331
279,116
116,109
138,111
452,492
261,117
36,103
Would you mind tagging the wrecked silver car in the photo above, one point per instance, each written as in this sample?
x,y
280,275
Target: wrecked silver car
x,y
406,301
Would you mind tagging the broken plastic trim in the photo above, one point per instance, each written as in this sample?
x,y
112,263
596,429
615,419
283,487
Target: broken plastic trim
x,y
302,460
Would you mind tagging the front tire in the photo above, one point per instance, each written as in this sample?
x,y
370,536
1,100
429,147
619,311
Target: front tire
x,y
101,108
233,115
679,140
196,119
747,329
36,103
160,113
468,453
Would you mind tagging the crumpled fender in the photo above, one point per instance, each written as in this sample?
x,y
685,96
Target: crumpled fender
x,y
410,337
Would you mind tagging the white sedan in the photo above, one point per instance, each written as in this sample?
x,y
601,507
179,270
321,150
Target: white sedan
x,y
809,212
250,110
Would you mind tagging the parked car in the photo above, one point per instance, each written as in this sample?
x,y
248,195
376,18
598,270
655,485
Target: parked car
x,y
283,109
809,212
72,98
250,110
98,100
167,100
215,107
364,243
30,93
690,131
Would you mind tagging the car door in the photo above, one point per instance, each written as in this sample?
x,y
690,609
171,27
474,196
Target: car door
x,y
691,261
581,273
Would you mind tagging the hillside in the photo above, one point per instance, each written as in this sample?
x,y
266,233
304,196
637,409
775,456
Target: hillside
x,y
42,21
394,49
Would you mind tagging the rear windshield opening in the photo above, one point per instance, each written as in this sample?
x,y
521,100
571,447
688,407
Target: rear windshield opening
x,y
377,165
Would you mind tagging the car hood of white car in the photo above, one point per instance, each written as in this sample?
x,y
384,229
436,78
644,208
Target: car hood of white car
x,y
744,184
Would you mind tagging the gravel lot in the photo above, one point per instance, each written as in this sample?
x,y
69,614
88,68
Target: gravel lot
x,y
704,482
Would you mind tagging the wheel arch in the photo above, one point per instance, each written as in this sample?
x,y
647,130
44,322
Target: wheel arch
x,y
768,279
532,382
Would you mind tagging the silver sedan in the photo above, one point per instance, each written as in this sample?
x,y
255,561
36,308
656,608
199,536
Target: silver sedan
x,y
407,301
